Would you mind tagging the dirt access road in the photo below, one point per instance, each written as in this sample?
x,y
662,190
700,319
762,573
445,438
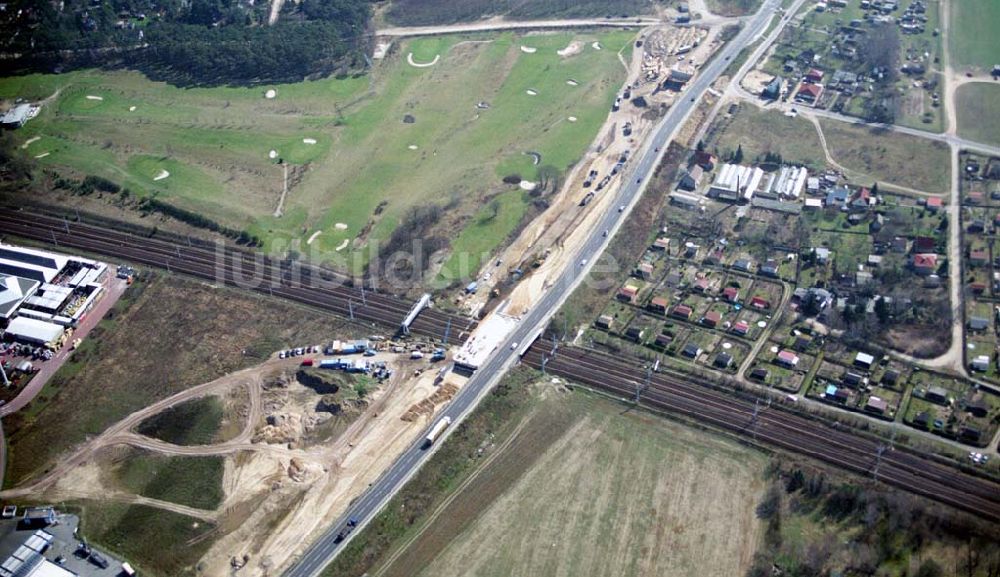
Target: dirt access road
x,y
278,495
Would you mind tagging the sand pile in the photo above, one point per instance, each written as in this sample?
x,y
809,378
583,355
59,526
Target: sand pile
x,y
426,406
574,47
163,174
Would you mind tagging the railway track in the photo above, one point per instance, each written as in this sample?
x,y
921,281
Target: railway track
x,y
898,467
238,267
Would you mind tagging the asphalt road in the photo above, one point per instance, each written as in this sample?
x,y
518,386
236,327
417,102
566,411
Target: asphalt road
x,y
638,172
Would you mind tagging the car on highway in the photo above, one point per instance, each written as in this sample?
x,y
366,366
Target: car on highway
x,y
583,262
621,208
605,233
282,354
513,345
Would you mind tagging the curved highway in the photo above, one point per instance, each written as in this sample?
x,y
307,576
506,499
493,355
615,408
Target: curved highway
x,y
638,174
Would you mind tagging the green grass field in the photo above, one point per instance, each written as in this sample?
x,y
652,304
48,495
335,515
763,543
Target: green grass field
x,y
978,106
192,481
194,422
353,170
760,132
156,542
973,41
888,156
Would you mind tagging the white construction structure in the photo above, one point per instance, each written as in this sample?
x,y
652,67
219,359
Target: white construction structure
x,y
736,182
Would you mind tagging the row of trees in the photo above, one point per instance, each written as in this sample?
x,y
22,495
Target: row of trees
x,y
881,527
200,42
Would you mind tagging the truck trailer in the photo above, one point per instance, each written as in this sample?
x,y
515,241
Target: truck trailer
x,y
436,431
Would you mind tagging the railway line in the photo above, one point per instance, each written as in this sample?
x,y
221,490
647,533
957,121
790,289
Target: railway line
x,y
239,267
898,467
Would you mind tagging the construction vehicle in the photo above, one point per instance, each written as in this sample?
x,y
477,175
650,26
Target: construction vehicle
x,y
436,431
438,355
586,199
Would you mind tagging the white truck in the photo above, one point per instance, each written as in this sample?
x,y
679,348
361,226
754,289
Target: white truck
x,y
436,431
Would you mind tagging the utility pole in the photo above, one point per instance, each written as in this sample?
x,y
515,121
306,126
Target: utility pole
x,y
66,224
753,419
365,302
880,450
447,331
545,361
6,381
350,308
555,345
640,388
54,241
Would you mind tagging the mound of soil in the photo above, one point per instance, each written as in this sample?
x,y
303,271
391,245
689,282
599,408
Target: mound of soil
x,y
409,119
323,382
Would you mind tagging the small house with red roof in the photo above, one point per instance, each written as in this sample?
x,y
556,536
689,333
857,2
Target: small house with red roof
x,y
787,359
659,305
925,263
682,312
809,93
628,293
741,328
815,75
711,319
934,203
924,244
760,303
731,294
979,257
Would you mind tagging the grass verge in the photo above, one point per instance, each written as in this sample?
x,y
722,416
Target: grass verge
x,y
157,543
194,422
192,481
978,106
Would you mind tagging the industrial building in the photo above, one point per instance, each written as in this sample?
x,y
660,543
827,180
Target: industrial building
x,y
787,184
42,293
736,182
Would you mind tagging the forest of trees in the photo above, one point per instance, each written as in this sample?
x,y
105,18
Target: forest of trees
x,y
196,42
425,12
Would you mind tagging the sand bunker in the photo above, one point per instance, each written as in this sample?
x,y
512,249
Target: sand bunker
x,y
535,157
340,226
571,118
131,108
381,49
574,48
528,185
30,141
313,237
273,154
411,62
92,97
343,245
163,174
531,92
270,94
596,45
528,50
412,147
572,82
309,140
42,155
